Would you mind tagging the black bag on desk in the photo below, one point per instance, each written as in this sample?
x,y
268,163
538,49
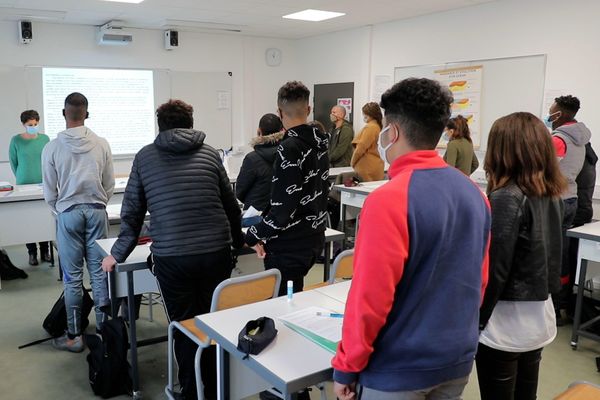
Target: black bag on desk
x,y
110,372
256,335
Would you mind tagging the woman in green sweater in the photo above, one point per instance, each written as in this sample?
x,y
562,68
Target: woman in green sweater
x,y
25,155
459,152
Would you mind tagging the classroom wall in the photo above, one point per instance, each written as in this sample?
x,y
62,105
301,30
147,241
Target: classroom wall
x,y
255,84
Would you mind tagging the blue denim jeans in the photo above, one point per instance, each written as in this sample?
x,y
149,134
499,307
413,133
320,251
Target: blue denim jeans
x,y
78,228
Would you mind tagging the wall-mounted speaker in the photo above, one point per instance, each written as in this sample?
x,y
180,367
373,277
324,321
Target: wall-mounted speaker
x,y
25,32
171,39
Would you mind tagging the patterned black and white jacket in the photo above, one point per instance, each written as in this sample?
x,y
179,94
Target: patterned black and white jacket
x,y
299,190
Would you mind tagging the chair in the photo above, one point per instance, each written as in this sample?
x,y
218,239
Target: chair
x,y
230,293
342,269
580,391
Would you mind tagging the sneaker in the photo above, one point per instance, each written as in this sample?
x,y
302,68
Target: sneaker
x,y
64,343
46,257
33,259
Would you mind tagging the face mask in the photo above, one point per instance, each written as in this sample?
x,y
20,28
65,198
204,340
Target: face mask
x,y
445,136
383,150
548,122
366,119
32,130
332,118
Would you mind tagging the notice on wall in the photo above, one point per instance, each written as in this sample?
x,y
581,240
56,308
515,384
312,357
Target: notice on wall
x,y
347,104
465,85
223,100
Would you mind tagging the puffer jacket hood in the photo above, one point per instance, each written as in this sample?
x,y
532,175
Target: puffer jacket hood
x,y
577,132
271,139
78,140
266,146
179,140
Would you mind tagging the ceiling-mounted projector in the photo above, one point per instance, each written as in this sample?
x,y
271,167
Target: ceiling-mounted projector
x,y
113,34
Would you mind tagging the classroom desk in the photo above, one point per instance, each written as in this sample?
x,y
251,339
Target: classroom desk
x,y
589,250
337,291
26,218
290,363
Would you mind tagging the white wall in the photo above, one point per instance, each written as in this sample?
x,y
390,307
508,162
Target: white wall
x,y
255,84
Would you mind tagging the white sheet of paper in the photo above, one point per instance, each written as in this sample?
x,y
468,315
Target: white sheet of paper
x,y
327,327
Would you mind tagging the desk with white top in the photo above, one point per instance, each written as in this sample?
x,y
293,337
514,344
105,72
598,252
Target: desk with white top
x,y
589,250
26,217
290,363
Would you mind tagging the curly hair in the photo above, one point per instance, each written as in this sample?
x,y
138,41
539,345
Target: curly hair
x,y
372,110
28,115
421,107
460,126
292,98
175,114
569,105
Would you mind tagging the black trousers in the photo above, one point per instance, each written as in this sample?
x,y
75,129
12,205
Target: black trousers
x,y
561,301
507,376
32,248
293,259
187,284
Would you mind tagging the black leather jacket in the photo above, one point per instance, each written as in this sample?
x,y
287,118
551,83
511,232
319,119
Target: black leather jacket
x,y
525,248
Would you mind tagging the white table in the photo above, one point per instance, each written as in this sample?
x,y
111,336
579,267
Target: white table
x,y
26,218
338,291
290,363
589,250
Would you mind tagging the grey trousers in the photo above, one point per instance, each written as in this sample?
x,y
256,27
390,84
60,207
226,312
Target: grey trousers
x,y
451,390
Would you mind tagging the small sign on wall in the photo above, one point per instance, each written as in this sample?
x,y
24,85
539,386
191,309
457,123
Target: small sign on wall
x,y
346,103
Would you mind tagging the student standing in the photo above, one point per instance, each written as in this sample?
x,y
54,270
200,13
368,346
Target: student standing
x,y
78,182
25,156
411,319
365,159
181,182
340,145
517,315
459,152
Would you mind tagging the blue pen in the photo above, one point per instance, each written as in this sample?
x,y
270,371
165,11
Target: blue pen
x,y
332,315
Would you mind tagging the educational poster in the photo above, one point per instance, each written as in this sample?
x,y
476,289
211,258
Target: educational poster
x,y
347,104
465,85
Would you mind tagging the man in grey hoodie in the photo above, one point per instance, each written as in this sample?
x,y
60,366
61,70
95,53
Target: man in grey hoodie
x,y
569,137
78,181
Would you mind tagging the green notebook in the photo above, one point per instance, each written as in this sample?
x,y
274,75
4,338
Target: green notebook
x,y
328,345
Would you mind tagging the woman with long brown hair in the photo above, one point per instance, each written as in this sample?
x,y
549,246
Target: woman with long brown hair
x,y
365,159
517,317
459,152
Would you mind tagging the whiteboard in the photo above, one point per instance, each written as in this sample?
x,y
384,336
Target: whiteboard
x,y
208,92
508,85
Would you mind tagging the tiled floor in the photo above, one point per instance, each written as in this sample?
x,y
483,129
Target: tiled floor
x,y
40,372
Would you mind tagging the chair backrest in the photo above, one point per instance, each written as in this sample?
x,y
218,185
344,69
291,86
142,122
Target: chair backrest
x,y
580,391
246,289
343,266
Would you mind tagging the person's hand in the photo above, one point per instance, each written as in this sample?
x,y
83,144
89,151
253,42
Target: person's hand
x,y
108,263
259,248
344,392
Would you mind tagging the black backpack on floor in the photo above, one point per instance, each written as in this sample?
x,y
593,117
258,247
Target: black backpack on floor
x,y
110,372
8,271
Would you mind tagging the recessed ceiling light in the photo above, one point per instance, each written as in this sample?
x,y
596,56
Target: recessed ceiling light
x,y
314,15
126,1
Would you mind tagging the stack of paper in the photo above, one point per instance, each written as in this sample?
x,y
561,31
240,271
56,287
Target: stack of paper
x,y
322,326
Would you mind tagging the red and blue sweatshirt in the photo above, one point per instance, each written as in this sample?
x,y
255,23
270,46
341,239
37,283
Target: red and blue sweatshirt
x,y
420,270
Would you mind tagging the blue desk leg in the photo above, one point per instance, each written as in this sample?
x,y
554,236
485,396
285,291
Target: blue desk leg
x,y
137,394
578,304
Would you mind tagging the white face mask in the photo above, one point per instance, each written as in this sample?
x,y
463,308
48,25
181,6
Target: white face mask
x,y
333,118
366,119
383,150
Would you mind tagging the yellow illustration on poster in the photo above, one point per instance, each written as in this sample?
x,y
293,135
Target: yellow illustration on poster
x,y
465,85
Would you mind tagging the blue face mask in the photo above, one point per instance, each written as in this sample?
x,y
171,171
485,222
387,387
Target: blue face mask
x,y
548,122
32,130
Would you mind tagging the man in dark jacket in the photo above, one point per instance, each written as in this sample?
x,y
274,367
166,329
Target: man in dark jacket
x,y
195,219
342,134
253,185
291,235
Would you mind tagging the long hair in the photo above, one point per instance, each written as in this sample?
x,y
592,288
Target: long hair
x,y
460,126
373,111
520,150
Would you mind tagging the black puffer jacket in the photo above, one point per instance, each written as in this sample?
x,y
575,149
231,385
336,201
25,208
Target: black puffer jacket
x,y
586,182
182,183
525,248
253,185
298,207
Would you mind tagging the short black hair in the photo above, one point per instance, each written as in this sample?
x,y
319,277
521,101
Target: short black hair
x,y
175,114
76,106
421,107
28,115
270,123
292,97
569,105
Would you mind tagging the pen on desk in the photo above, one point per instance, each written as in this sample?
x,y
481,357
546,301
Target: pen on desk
x,y
332,315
